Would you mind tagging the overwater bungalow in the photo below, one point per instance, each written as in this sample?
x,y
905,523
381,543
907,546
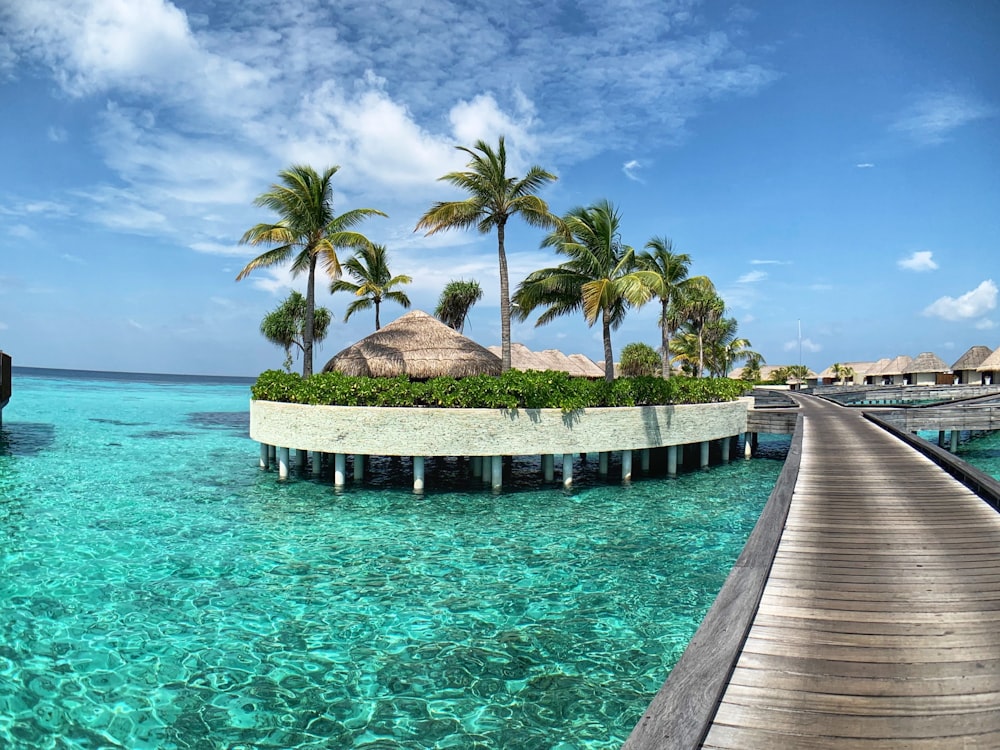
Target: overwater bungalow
x,y
894,373
965,369
928,369
874,374
989,370
859,369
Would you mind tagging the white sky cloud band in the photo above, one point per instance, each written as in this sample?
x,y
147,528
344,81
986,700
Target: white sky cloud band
x,y
921,260
973,304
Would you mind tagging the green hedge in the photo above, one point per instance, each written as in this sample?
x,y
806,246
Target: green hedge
x,y
512,390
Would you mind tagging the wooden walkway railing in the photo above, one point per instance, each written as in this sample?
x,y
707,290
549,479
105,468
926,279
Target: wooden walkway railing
x,y
879,623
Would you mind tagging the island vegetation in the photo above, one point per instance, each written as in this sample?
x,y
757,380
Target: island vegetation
x,y
601,277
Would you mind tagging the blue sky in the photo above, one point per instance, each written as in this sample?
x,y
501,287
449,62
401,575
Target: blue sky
x,y
834,165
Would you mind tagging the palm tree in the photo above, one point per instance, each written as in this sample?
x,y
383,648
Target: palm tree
x,y
307,231
370,267
285,325
700,305
494,197
751,367
457,298
665,273
598,278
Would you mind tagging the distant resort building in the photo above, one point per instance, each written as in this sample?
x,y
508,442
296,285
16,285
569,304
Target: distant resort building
x,y
928,369
989,370
522,358
965,371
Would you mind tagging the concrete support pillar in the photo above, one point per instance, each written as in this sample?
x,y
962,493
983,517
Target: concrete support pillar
x,y
703,458
549,467
626,466
418,473
265,455
680,454
496,473
725,449
602,463
359,466
672,460
272,454
317,462
282,463
339,469
941,438
954,440
567,470
300,459
487,469
477,466
747,446
644,460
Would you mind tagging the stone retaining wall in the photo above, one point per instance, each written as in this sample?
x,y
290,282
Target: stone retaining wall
x,y
389,431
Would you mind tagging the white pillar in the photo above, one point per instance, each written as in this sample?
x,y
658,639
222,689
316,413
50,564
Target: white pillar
x,y
418,473
282,463
747,446
725,449
549,467
671,459
602,463
954,441
265,455
359,466
339,469
703,458
496,474
567,472
626,466
644,460
317,462
272,454
477,467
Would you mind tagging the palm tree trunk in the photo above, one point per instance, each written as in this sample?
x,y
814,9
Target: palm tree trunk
x,y
664,332
378,324
701,353
609,355
504,303
307,334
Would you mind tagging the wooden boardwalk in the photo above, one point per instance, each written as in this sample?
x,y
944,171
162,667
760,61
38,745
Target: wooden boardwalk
x,y
879,625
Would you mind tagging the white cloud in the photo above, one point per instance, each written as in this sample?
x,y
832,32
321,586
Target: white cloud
x,y
920,260
136,325
970,305
762,262
932,117
807,346
218,248
630,167
58,135
864,165
752,277
21,231
985,325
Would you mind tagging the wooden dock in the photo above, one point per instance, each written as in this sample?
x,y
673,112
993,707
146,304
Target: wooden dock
x,y
879,623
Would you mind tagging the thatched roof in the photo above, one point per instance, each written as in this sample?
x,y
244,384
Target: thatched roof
x,y
418,345
972,358
587,366
521,357
860,369
897,366
928,362
991,363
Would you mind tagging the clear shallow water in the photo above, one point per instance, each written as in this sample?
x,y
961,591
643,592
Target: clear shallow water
x,y
161,592
983,452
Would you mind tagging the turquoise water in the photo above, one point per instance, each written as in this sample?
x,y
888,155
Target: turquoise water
x,y
161,592
982,451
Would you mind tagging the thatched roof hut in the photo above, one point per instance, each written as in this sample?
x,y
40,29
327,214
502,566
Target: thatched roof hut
x,y
991,363
521,357
588,367
928,362
418,345
897,366
972,358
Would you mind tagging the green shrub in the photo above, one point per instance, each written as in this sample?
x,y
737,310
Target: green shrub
x,y
639,359
512,390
